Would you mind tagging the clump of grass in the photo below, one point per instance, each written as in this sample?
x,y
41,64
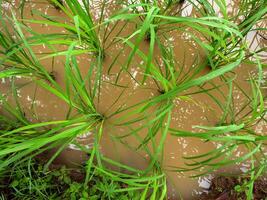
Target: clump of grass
x,y
30,180
38,180
249,14
210,28
17,57
166,8
221,39
236,129
89,34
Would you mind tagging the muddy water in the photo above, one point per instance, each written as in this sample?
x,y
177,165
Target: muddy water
x,y
200,110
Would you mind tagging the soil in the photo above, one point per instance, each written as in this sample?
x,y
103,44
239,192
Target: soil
x,y
223,188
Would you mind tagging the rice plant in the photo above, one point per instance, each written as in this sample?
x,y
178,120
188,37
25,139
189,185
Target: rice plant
x,y
17,56
89,33
210,28
76,95
219,38
43,187
252,11
167,8
237,128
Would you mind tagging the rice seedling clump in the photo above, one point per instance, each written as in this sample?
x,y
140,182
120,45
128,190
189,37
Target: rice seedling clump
x,y
136,99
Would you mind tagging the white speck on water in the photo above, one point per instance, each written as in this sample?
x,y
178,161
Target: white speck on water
x,y
29,98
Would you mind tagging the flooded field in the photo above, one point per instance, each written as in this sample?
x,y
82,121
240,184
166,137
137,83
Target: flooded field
x,y
133,133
